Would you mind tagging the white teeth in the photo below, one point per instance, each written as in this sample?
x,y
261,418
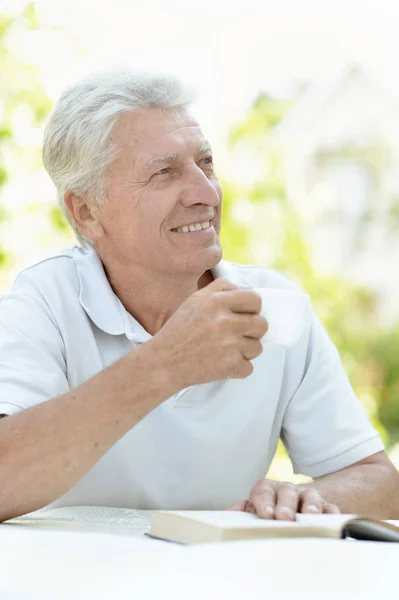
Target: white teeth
x,y
195,227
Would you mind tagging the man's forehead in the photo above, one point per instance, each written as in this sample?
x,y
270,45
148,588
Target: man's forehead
x,y
155,135
154,122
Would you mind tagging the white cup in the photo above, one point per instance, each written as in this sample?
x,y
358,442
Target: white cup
x,y
287,312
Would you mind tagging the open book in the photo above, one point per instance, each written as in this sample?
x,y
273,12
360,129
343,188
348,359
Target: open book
x,y
191,526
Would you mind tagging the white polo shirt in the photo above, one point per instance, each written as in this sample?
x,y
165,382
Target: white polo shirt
x,y
204,448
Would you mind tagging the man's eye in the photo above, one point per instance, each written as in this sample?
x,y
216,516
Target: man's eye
x,y
163,171
208,160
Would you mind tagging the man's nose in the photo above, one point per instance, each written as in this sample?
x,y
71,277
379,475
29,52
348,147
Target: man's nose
x,y
200,189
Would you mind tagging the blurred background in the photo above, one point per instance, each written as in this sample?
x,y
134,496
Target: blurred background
x,y
300,100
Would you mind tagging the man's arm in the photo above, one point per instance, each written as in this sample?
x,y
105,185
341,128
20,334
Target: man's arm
x,y
369,487
46,449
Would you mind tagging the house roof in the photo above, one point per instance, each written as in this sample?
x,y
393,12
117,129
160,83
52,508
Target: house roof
x,y
350,96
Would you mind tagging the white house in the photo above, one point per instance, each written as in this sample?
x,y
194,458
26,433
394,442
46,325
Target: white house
x,y
340,148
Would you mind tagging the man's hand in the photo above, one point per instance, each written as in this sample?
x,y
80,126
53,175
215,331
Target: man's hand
x,y
281,500
213,335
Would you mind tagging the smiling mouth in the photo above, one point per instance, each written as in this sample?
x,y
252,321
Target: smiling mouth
x,y
200,226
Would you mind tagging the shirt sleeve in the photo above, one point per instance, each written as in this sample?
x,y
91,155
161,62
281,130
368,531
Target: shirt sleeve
x,y
32,354
325,427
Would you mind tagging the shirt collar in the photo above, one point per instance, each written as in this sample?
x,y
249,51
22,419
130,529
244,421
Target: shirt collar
x,y
96,294
221,270
100,301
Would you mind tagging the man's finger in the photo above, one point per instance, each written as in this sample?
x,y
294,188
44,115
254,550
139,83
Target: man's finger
x,y
238,505
311,502
287,502
255,327
263,499
251,348
242,300
243,506
250,508
250,325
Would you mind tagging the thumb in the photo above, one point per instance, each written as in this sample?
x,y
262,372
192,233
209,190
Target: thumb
x,y
238,505
243,506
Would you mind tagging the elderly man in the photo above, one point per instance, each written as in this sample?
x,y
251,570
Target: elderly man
x,y
131,371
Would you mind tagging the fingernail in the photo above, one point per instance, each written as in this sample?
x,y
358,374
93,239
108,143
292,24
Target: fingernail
x,y
287,512
269,510
312,508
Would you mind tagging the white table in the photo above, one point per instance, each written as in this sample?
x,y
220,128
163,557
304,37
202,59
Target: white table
x,y
69,554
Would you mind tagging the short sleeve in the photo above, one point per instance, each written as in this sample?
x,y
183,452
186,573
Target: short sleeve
x,y
32,355
325,427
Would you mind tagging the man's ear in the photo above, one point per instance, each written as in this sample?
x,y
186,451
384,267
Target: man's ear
x,y
84,214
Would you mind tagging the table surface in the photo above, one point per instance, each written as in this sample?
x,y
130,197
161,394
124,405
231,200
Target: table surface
x,y
96,553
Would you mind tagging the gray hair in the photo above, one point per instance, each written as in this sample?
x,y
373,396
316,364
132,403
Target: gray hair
x,y
77,148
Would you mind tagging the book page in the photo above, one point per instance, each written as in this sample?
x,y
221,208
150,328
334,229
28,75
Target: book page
x,y
114,520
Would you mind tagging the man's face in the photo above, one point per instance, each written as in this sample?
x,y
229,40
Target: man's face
x,y
161,186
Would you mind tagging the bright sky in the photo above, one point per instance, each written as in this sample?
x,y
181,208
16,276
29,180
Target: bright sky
x,y
230,49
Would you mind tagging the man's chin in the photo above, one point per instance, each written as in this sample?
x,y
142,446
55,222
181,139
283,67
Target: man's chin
x,y
203,260
212,257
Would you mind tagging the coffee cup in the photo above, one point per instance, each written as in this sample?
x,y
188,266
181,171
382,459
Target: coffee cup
x,y
287,313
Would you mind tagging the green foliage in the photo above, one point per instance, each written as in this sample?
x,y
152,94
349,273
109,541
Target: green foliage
x,y
3,258
234,235
20,93
3,176
58,220
5,134
20,85
393,214
4,213
30,14
264,114
380,355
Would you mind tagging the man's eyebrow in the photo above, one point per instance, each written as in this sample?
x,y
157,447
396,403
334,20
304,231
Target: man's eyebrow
x,y
161,159
205,148
167,158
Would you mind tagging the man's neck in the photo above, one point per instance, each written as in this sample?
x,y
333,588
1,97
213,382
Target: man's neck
x,y
153,300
